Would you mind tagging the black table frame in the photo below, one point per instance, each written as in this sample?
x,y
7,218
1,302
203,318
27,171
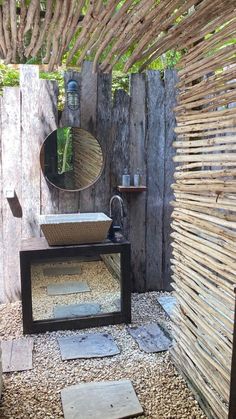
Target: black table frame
x,y
31,253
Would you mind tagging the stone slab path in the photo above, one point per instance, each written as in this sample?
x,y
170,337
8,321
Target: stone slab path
x,y
88,345
151,338
101,400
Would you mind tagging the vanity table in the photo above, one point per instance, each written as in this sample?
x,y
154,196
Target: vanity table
x,y
102,298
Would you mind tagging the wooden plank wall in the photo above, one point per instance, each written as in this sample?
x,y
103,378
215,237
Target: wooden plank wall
x,y
133,131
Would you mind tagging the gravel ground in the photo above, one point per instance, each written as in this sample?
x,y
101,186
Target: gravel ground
x,y
36,393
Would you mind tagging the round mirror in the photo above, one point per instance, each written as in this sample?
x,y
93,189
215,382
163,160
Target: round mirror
x,y
71,159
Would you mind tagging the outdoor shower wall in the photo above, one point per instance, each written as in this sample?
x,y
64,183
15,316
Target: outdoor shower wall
x,y
204,220
135,131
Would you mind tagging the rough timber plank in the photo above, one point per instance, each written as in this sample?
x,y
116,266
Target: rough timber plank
x,y
169,168
17,355
31,140
106,399
155,180
88,122
103,134
2,292
120,147
11,179
69,201
48,121
88,345
138,161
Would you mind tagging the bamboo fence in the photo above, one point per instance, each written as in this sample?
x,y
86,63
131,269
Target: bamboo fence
x,y
204,217
105,31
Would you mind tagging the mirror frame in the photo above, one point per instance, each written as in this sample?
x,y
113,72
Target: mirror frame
x,y
72,190
36,249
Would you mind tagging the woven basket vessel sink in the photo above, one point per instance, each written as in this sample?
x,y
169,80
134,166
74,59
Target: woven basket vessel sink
x,y
65,229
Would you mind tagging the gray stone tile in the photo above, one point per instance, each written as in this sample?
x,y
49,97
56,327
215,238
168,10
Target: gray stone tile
x,y
76,310
88,345
67,288
168,303
101,400
151,338
17,355
62,270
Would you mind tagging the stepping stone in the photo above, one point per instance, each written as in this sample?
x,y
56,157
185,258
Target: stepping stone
x,y
62,270
17,355
89,345
67,288
168,303
101,400
151,338
76,310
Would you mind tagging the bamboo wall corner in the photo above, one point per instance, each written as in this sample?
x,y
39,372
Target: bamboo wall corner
x,y
204,219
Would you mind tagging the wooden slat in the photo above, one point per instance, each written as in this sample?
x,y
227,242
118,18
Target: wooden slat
x,y
2,292
156,137
11,179
69,201
103,133
120,146
31,140
48,123
169,168
88,122
138,161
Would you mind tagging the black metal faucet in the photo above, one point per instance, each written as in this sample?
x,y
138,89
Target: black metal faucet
x,y
115,228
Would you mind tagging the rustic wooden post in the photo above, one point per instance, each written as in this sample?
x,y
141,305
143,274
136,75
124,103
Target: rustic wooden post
x,y
31,180
103,134
120,148
2,293
155,180
170,80
88,122
138,161
48,118
11,182
69,201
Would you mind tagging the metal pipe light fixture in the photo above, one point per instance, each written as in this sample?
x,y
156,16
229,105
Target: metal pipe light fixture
x,y
72,93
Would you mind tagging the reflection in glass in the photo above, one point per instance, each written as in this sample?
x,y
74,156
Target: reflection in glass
x,y
76,287
71,158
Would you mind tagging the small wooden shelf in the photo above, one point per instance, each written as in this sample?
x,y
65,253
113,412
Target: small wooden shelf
x,y
132,189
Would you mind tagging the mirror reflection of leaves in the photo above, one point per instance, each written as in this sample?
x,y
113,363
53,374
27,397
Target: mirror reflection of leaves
x,y
71,159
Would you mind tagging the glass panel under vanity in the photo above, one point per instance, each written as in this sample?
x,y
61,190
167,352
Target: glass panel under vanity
x,y
68,287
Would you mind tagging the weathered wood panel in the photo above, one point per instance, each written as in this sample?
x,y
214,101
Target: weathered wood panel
x,y
2,292
103,133
48,95
120,146
69,201
31,180
11,210
137,205
170,79
88,122
155,180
